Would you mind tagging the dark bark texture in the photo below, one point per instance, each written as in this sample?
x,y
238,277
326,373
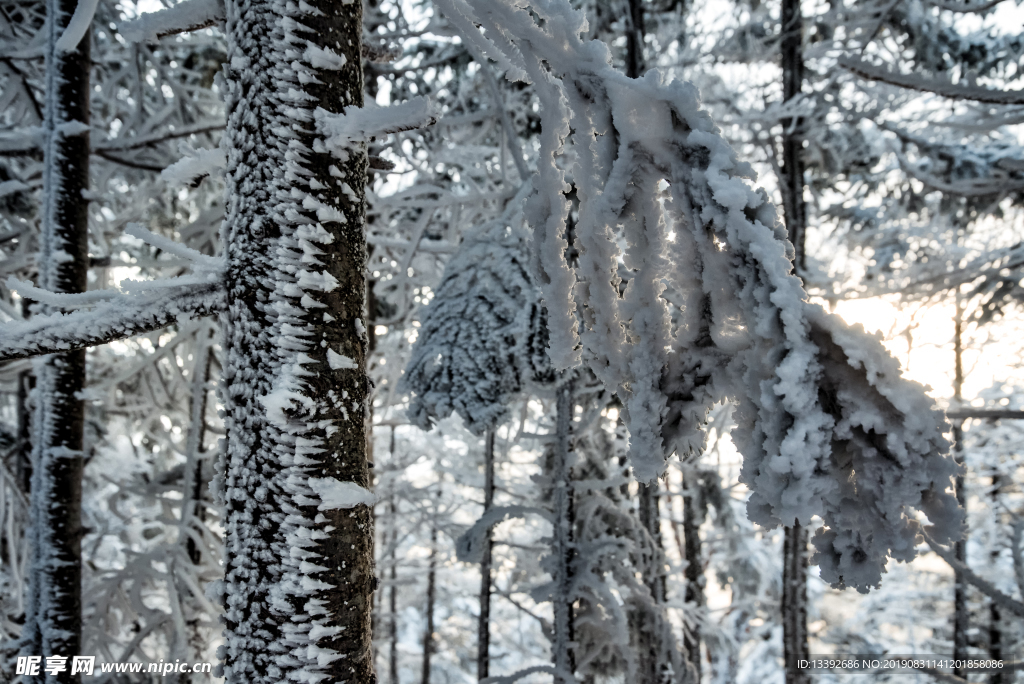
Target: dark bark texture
x,y
794,562
794,603
53,623
483,633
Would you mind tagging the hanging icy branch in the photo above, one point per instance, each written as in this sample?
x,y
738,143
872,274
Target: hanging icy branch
x,y
188,15
119,317
478,339
685,295
953,91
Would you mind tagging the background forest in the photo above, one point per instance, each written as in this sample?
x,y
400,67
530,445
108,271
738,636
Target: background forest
x,y
886,131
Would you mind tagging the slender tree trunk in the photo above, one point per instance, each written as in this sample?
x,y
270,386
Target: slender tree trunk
x,y
53,622
393,575
794,602
635,39
794,563
995,625
428,633
961,617
299,570
193,509
693,517
393,595
792,180
23,466
649,512
483,632
563,548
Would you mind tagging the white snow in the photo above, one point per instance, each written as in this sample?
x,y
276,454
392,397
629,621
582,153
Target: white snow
x,y
337,494
340,361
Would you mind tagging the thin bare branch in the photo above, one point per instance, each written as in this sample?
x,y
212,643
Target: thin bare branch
x,y
1004,600
953,91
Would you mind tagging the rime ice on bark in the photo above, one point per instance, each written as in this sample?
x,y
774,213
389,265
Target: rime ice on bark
x,y
53,619
711,309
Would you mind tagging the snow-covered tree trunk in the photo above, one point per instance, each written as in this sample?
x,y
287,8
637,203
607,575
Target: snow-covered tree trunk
x,y
251,492
483,632
794,562
53,622
299,574
562,547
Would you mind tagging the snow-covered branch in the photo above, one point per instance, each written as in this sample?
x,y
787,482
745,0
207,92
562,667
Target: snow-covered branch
x,y
367,122
188,15
965,7
1008,602
944,88
119,317
711,309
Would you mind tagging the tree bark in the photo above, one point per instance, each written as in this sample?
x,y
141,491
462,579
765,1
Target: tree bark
x,y
563,548
53,622
651,668
792,180
428,632
393,594
794,562
483,633
995,625
635,39
961,616
299,529
693,516
252,495
794,602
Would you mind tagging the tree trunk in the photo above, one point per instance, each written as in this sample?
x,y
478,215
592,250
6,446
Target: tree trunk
x,y
193,509
693,517
794,602
483,632
393,595
961,617
635,39
299,533
53,622
428,633
794,562
563,549
995,626
650,666
393,574
792,180
23,466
